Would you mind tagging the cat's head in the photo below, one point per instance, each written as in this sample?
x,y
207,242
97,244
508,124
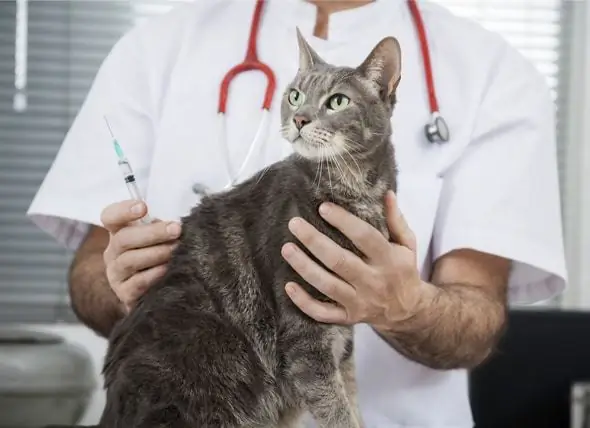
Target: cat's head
x,y
329,110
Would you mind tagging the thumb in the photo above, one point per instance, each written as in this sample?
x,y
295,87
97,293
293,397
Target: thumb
x,y
120,214
398,227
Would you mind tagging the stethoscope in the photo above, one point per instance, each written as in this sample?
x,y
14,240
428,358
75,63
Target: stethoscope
x,y
436,130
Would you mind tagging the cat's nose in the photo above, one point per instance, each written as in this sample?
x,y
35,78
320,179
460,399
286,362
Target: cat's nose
x,y
300,121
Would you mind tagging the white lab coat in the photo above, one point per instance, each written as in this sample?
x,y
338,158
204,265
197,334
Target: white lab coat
x,y
492,188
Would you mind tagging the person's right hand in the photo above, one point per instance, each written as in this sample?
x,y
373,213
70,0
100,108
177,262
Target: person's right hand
x,y
137,254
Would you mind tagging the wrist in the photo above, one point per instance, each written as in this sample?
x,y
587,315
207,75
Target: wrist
x,y
412,310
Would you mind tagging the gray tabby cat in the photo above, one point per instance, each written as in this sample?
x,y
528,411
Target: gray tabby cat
x,y
217,342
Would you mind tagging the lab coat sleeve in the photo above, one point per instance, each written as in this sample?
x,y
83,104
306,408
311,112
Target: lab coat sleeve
x,y
84,177
501,195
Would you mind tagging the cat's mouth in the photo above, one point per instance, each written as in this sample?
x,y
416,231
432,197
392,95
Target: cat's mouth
x,y
303,140
308,148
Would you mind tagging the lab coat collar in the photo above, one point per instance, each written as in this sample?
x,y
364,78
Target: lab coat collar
x,y
341,25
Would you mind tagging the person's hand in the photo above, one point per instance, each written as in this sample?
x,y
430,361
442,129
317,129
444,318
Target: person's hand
x,y
378,289
137,254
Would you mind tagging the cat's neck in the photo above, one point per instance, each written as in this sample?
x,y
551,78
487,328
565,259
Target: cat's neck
x,y
347,178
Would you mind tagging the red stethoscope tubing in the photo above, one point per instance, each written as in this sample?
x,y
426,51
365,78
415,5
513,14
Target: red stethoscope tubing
x,y
251,62
417,17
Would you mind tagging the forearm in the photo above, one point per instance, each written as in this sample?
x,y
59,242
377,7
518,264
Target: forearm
x,y
456,326
93,300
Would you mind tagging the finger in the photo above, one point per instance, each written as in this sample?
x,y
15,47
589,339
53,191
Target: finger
x,y
319,311
364,236
120,214
140,236
398,227
339,260
131,262
318,277
132,289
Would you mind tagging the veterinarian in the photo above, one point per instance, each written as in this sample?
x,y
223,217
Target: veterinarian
x,y
476,220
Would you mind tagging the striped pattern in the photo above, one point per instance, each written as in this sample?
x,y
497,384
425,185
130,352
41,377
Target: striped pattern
x,y
65,43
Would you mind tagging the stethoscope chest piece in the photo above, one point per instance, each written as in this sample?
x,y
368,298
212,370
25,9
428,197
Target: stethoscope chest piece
x,y
437,130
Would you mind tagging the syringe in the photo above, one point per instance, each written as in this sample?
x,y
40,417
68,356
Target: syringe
x,y
127,172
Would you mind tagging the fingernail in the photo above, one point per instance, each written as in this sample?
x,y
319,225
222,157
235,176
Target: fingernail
x,y
324,209
173,229
288,250
290,289
294,223
137,208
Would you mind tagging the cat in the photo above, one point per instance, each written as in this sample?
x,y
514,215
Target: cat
x,y
217,342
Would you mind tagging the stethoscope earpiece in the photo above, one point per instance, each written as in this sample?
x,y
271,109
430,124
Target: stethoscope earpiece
x,y
437,130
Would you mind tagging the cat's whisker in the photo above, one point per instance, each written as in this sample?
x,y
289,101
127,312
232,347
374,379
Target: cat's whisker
x,y
358,167
362,177
330,154
344,176
337,163
321,161
351,144
379,134
353,183
317,174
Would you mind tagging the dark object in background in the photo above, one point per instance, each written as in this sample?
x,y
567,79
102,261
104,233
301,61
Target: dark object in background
x,y
43,378
528,383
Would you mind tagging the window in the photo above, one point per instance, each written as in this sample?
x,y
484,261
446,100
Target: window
x,y
534,27
552,35
49,54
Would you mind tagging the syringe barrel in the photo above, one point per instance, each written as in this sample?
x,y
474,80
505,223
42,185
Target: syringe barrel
x,y
125,168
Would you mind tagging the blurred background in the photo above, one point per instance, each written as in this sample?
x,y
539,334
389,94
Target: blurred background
x,y
49,54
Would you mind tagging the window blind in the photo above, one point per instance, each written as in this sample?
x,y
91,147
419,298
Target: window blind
x,y
48,59
538,29
49,54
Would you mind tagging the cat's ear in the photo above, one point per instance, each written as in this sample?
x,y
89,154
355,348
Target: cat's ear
x,y
307,56
383,67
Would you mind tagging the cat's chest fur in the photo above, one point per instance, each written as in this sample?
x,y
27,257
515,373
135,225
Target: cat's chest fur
x,y
368,206
372,212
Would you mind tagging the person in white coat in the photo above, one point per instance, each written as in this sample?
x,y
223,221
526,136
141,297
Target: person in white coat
x,y
476,218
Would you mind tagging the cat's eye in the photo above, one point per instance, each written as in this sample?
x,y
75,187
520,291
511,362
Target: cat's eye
x,y
338,102
295,98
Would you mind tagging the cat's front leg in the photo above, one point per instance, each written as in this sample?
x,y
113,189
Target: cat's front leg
x,y
319,384
291,419
347,371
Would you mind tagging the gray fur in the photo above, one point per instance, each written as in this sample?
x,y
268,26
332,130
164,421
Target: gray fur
x,y
217,342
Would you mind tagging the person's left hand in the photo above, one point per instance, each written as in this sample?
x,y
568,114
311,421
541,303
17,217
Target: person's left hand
x,y
378,289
